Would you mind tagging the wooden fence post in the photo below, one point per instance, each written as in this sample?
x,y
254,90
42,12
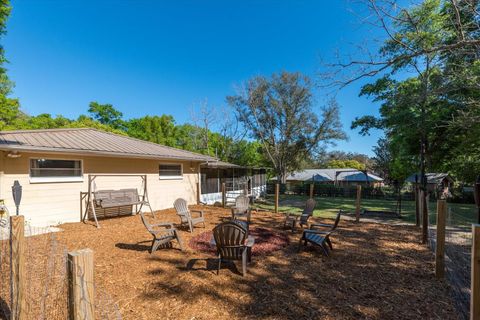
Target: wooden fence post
x,y
358,203
17,271
80,285
440,245
311,190
475,282
277,192
417,207
425,221
224,195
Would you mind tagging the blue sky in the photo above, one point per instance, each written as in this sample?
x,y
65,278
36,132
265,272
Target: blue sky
x,y
164,57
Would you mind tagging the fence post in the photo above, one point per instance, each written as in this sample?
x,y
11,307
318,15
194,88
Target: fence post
x,y
277,191
311,190
17,271
475,282
424,199
224,195
358,203
417,207
80,285
440,245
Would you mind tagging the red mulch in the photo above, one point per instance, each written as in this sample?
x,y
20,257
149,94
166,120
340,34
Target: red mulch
x,y
266,241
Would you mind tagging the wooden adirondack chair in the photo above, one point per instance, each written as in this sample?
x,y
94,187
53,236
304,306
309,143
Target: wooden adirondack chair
x,y
242,208
292,220
317,238
185,214
232,242
325,228
162,233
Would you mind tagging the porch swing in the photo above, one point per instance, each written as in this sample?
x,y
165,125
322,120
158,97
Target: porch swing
x,y
97,200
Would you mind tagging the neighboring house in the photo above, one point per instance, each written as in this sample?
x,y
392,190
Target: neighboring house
x,y
339,177
53,168
436,182
237,180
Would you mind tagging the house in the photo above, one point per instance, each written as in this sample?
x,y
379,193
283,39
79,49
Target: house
x,y
442,182
338,177
53,167
236,179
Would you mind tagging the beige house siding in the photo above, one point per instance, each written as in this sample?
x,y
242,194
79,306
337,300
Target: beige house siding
x,y
57,202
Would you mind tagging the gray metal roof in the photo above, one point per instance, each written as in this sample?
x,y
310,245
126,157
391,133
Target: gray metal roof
x,y
320,175
432,177
221,165
88,141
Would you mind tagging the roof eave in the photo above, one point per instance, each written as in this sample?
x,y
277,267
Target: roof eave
x,y
100,153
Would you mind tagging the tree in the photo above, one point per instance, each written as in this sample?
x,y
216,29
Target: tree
x,y
433,42
157,129
345,164
361,159
106,114
278,112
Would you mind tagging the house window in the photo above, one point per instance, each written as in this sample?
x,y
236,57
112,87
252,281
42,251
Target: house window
x,y
53,170
170,171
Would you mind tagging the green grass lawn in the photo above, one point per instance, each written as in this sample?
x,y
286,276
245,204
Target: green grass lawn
x,y
327,207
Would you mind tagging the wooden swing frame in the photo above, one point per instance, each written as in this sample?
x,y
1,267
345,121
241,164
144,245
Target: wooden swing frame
x,y
91,201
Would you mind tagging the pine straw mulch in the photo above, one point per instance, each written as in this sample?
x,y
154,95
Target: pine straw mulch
x,y
375,271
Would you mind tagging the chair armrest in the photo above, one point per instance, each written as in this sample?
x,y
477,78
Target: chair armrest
x,y
200,212
250,242
317,231
167,225
291,215
320,225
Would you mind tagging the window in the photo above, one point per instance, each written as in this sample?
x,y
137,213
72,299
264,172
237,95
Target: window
x,y
170,171
51,170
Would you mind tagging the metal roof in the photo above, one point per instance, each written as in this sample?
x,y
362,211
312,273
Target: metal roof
x,y
319,175
432,177
87,141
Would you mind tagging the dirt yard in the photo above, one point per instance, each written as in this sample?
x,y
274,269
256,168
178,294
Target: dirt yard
x,y
375,271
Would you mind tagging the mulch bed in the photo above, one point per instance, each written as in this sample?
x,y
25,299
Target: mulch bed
x,y
266,241
376,271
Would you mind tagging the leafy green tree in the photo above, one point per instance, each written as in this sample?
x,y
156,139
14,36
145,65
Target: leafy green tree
x,y
9,112
417,112
158,129
106,114
278,112
344,164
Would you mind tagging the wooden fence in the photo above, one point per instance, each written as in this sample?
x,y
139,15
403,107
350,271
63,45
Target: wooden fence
x,y
79,270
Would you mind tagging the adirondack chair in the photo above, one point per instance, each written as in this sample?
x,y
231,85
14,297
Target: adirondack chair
x,y
292,220
320,239
232,242
185,214
242,208
162,233
327,228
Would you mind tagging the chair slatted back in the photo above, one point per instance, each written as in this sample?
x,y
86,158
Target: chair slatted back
x,y
242,203
337,220
307,211
230,240
147,224
159,235
181,207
